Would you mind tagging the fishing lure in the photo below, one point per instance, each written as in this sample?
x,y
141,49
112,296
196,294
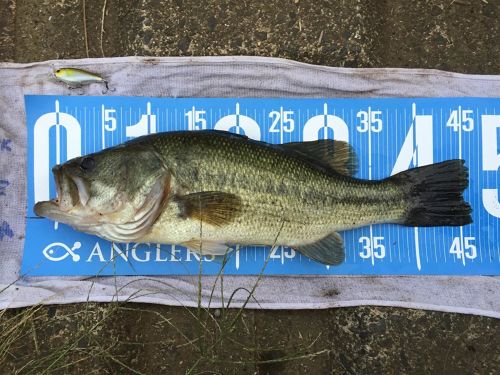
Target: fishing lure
x,y
75,78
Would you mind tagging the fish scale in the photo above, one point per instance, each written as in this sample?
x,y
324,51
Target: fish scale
x,y
309,202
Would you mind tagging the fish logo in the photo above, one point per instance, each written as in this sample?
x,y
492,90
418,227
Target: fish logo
x,y
41,147
58,251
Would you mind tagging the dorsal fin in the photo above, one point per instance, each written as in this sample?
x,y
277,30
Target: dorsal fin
x,y
329,153
337,155
226,133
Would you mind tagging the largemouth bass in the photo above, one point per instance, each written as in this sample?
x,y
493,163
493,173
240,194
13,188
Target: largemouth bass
x,y
209,189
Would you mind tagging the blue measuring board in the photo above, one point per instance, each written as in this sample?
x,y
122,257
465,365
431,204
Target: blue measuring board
x,y
389,135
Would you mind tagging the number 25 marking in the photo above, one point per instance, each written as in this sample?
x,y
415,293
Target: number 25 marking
x,y
284,119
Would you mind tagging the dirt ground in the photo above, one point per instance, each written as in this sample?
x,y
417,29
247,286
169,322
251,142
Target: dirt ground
x,y
456,35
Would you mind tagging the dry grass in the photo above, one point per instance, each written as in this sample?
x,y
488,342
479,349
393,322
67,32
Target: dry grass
x,y
87,336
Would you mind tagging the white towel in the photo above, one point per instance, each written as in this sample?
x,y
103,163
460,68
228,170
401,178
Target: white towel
x,y
223,77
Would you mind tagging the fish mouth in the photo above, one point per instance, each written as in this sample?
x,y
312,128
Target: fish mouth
x,y
72,192
51,210
82,188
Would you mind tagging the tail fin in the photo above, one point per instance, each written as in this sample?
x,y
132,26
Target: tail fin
x,y
435,194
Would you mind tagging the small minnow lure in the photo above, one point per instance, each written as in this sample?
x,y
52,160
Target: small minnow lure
x,y
77,77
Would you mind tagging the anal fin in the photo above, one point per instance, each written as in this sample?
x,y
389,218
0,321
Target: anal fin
x,y
207,247
329,250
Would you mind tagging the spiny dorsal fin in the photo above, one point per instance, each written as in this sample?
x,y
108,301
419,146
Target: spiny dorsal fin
x,y
211,207
338,155
226,133
329,250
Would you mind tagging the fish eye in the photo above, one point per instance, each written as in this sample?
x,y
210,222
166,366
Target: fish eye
x,y
87,164
58,71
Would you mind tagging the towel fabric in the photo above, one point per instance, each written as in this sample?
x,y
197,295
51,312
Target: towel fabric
x,y
222,77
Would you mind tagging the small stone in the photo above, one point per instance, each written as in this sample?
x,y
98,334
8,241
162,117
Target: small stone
x,y
212,23
259,35
148,35
184,43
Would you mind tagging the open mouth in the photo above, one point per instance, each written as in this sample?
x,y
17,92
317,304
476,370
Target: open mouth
x,y
83,190
58,181
67,191
71,191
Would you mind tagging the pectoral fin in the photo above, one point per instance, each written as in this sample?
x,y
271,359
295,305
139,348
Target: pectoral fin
x,y
329,250
211,207
338,155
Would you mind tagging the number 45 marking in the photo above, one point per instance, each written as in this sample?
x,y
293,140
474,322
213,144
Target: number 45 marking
x,y
461,118
467,249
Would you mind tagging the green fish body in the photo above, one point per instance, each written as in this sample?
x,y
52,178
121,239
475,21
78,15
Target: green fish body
x,y
209,189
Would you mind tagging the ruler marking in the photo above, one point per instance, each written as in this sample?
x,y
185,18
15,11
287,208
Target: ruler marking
x,y
396,239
